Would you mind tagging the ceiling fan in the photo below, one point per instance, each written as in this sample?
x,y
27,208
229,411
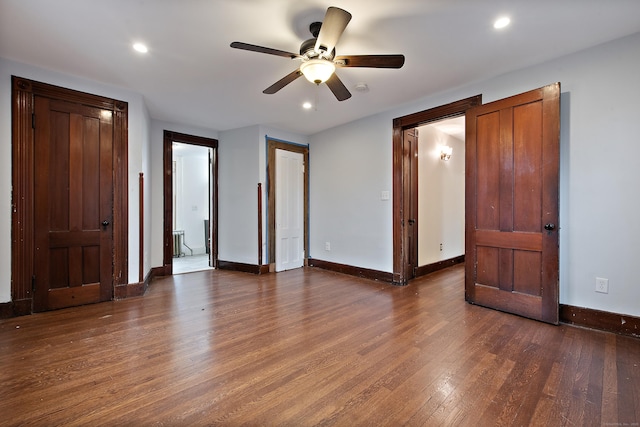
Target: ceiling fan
x,y
318,56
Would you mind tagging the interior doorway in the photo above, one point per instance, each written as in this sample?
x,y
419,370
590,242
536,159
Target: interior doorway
x,y
434,195
440,212
190,203
406,224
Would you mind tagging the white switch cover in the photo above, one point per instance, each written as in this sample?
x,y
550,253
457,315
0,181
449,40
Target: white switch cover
x,y
384,195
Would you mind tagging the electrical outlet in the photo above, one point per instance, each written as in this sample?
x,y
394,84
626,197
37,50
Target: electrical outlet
x,y
327,246
440,247
602,285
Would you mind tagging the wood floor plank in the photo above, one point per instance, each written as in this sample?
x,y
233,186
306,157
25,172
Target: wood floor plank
x,y
309,347
628,370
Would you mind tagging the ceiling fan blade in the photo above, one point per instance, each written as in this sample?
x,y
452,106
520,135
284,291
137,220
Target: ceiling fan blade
x,y
371,61
338,88
335,21
282,82
262,49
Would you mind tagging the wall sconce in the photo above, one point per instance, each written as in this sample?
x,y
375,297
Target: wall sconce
x,y
445,152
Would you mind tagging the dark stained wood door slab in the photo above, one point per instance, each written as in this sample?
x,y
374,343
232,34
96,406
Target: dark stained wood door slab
x,y
73,261
410,201
512,167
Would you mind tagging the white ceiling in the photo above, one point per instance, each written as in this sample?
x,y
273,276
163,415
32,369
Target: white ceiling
x,y
192,76
454,127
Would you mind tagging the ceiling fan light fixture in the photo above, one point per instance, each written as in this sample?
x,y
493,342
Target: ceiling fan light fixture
x,y
317,70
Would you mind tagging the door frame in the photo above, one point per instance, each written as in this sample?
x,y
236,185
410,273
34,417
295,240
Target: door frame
x,y
401,188
23,92
168,138
272,145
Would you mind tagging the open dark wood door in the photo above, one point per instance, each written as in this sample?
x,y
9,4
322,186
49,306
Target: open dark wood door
x,y
73,261
410,201
512,169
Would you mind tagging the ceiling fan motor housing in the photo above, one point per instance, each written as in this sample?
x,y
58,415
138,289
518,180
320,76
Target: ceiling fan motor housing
x,y
307,50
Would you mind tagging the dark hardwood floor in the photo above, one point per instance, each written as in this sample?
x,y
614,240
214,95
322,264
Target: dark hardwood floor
x,y
310,347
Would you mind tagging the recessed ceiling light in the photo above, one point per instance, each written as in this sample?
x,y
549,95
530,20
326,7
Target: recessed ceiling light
x,y
501,22
140,47
307,105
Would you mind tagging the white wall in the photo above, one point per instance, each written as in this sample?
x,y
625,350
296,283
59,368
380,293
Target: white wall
x,y
239,174
440,197
242,165
599,200
350,167
138,146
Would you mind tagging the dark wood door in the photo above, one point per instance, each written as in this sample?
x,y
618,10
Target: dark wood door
x,y
512,165
410,201
73,261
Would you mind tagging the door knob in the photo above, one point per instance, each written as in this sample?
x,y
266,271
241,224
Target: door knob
x,y
549,227
105,223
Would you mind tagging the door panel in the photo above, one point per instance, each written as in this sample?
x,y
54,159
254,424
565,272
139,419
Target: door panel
x,y
511,193
289,210
73,196
527,162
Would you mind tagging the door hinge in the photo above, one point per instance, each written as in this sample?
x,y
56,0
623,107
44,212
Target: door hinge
x,y
33,283
33,120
